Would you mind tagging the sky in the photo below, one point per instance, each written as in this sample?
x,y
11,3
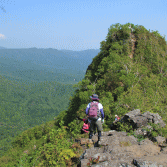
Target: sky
x,y
74,24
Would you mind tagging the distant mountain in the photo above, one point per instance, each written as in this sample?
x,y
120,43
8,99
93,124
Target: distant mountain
x,y
2,47
52,58
45,64
85,54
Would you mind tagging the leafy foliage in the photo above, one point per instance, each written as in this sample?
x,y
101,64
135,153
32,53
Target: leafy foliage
x,y
125,127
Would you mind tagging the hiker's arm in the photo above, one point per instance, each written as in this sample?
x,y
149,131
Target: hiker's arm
x,y
87,110
102,113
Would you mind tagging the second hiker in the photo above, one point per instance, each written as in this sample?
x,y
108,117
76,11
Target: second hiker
x,y
95,114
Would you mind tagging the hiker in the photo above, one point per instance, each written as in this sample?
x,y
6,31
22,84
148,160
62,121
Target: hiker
x,y
96,119
117,118
85,127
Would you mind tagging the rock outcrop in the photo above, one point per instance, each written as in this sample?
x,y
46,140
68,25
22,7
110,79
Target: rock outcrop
x,y
119,150
138,120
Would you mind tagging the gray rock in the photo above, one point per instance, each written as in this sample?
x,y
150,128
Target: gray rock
x,y
160,140
157,119
103,164
133,113
111,164
146,142
164,150
84,162
103,156
138,120
149,127
143,163
146,113
148,116
140,131
125,165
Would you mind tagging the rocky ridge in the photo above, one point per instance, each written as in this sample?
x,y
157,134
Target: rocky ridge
x,y
117,149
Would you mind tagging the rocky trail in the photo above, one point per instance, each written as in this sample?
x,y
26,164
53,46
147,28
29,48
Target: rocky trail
x,y
117,149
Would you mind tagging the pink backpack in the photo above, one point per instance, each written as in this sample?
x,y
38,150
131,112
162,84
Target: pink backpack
x,y
94,110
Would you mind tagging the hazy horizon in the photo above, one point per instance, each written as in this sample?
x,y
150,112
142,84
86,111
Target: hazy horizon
x,y
47,48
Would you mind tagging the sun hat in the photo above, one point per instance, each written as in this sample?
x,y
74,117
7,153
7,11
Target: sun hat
x,y
94,97
116,115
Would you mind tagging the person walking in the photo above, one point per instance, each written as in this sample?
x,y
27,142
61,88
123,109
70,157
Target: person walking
x,y
95,114
85,127
117,118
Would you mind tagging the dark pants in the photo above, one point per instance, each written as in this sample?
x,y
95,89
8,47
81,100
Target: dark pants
x,y
91,134
93,125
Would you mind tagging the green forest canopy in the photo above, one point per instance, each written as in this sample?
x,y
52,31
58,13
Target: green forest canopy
x,y
26,105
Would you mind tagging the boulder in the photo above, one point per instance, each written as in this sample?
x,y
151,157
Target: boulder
x,y
138,120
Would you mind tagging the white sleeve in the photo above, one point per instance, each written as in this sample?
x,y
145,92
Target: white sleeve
x,y
88,106
100,106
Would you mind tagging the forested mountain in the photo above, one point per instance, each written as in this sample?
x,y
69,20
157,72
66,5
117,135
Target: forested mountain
x,y
45,64
27,105
129,72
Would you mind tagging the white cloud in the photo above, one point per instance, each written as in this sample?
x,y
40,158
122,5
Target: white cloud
x,y
2,36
